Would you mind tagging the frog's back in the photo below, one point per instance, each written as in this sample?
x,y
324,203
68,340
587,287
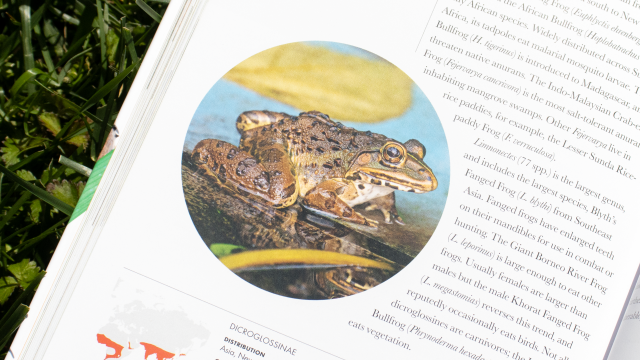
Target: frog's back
x,y
309,132
318,148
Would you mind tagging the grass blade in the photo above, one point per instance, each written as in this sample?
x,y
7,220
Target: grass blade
x,y
27,160
45,49
103,43
37,15
131,46
2,102
42,194
75,166
104,90
8,45
54,36
86,19
18,311
7,196
146,8
112,96
27,292
67,65
33,241
66,17
14,209
27,47
15,233
26,76
72,52
12,324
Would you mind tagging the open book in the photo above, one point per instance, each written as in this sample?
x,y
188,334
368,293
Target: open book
x,y
362,180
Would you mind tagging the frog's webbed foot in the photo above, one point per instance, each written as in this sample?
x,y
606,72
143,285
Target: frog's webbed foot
x,y
324,200
386,205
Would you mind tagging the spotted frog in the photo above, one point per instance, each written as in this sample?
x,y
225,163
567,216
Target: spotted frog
x,y
326,167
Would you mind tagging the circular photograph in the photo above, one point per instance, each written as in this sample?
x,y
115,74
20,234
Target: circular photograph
x,y
315,170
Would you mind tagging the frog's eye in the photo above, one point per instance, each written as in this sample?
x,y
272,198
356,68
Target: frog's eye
x,y
393,153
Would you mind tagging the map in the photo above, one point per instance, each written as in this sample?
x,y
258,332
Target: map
x,y
145,326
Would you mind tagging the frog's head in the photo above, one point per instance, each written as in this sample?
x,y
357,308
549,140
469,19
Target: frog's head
x,y
395,165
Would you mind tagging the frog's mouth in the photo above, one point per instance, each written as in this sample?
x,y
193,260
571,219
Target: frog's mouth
x,y
402,183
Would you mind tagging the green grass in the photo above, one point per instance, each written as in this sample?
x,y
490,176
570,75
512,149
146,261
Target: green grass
x,y
66,67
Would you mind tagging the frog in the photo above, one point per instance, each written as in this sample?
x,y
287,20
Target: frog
x,y
319,163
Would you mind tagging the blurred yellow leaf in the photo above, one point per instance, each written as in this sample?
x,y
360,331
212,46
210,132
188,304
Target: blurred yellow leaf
x,y
308,257
343,86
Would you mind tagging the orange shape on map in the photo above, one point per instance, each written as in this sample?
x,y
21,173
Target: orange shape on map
x,y
150,349
117,348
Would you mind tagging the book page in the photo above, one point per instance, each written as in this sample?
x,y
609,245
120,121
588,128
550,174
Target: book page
x,y
625,345
365,180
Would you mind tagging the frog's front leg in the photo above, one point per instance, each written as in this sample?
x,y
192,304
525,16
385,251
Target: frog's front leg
x,y
325,200
268,175
387,205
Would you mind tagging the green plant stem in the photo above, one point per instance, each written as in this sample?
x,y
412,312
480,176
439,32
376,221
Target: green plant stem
x,y
27,49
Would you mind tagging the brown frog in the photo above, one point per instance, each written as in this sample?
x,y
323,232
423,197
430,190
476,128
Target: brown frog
x,y
330,168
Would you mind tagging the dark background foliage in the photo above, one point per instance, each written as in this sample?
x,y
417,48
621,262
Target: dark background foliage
x,y
65,68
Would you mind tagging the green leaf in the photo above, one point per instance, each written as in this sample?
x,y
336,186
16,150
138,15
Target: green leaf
x,y
81,185
66,191
224,249
146,8
7,285
51,122
25,272
26,175
36,209
13,148
10,152
112,46
42,194
80,139
45,178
